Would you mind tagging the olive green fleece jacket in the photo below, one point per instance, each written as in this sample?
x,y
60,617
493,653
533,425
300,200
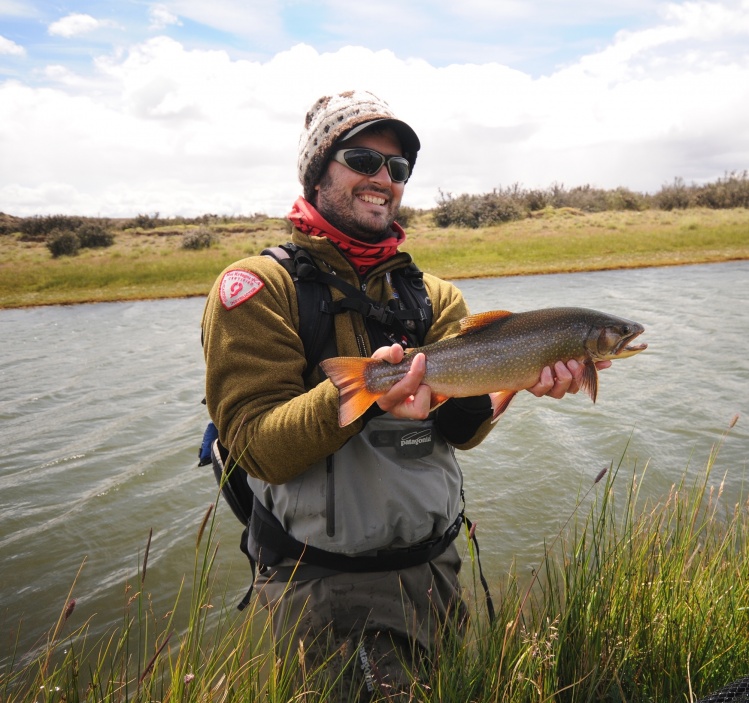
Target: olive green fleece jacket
x,y
273,424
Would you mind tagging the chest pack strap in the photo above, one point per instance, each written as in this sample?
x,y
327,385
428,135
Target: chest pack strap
x,y
411,321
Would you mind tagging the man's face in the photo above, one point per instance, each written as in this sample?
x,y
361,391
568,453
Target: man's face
x,y
364,207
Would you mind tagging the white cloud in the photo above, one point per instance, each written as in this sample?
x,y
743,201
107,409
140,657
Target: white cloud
x,y
163,128
74,25
161,17
10,48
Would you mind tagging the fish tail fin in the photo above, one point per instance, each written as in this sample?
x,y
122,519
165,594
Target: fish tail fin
x,y
500,401
347,375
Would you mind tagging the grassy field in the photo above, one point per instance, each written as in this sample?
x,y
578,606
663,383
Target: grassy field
x,y
144,264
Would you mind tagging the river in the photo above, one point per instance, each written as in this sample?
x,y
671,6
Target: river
x,y
100,421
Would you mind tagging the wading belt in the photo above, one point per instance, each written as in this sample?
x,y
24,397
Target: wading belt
x,y
275,544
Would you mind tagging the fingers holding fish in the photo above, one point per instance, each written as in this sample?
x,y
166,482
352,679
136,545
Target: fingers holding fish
x,y
409,397
562,379
556,382
393,354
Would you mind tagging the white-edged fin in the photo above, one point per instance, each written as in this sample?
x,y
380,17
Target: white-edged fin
x,y
500,401
476,322
437,400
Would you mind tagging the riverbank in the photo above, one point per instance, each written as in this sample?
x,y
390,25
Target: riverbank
x,y
152,263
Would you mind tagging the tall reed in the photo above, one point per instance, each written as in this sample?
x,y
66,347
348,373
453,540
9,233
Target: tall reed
x,y
633,601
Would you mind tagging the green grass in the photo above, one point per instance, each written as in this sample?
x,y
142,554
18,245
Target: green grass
x,y
634,601
565,241
151,264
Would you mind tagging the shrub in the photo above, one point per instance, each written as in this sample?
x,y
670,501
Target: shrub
x,y
36,229
8,224
63,243
199,238
676,196
406,215
94,236
626,199
728,192
536,200
454,211
146,221
479,210
585,198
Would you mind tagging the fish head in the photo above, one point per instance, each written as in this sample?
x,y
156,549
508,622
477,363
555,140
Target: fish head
x,y
612,339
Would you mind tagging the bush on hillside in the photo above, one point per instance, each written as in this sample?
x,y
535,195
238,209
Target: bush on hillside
x,y
62,243
8,223
478,210
94,236
37,229
675,196
198,238
727,192
144,221
406,215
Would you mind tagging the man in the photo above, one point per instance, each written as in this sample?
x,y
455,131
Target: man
x,y
353,492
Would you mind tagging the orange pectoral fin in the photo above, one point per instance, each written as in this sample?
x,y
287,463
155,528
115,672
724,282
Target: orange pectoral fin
x,y
500,401
437,400
347,375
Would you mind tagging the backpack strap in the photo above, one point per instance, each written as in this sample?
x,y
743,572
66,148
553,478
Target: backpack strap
x,y
232,480
409,282
411,321
315,327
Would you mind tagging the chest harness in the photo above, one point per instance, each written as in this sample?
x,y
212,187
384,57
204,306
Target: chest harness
x,y
405,320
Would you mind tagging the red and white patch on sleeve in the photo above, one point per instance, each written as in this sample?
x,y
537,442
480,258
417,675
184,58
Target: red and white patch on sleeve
x,y
238,286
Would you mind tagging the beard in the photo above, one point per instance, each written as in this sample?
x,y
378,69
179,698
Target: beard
x,y
343,209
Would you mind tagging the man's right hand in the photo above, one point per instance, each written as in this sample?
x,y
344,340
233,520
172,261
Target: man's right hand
x,y
409,398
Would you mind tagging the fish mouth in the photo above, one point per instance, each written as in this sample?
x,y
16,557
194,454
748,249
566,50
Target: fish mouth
x,y
625,349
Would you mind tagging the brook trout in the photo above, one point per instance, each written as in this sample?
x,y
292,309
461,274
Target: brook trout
x,y
499,353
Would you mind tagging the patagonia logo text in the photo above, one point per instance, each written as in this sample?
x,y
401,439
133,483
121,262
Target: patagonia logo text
x,y
414,438
407,444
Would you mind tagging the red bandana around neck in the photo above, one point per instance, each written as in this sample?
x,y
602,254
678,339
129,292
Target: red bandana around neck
x,y
363,255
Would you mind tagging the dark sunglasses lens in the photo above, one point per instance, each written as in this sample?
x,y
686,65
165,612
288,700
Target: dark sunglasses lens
x,y
364,161
399,169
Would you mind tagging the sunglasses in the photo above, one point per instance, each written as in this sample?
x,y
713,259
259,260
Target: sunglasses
x,y
368,162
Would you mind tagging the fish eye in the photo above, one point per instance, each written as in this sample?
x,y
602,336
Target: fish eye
x,y
626,330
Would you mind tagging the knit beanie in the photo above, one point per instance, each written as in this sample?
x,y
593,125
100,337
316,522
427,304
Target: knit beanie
x,y
334,119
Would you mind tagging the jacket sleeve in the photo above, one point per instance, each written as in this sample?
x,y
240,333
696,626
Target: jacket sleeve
x,y
255,391
463,422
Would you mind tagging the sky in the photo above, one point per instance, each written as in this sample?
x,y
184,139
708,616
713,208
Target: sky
x,y
115,108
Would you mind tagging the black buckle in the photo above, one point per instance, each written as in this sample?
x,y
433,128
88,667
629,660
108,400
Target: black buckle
x,y
384,316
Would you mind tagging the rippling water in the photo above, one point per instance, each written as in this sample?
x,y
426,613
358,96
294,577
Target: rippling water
x,y
100,420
